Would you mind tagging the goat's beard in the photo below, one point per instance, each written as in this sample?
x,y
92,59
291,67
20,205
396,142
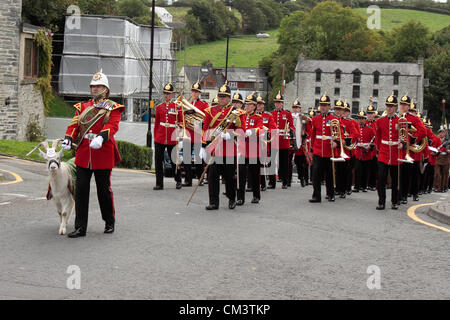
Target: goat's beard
x,y
100,95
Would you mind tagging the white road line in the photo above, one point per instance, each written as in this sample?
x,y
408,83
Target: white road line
x,y
4,203
14,195
35,199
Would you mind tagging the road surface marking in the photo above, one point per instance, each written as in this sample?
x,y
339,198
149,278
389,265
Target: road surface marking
x,y
412,215
15,175
4,203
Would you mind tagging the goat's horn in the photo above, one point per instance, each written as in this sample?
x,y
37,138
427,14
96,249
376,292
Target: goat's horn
x,y
55,143
34,149
45,144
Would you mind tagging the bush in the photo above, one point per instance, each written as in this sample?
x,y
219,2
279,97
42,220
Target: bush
x,y
134,156
34,131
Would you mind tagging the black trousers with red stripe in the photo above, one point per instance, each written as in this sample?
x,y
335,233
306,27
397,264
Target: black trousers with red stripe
x,y
104,195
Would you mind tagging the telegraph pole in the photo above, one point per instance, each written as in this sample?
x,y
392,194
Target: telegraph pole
x,y
150,85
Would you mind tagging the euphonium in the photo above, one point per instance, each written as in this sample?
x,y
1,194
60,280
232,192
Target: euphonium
x,y
351,146
335,127
192,115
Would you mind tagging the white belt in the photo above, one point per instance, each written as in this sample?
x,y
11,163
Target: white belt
x,y
168,125
324,137
390,143
90,136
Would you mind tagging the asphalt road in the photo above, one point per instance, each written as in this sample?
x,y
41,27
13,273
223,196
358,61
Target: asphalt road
x,y
282,248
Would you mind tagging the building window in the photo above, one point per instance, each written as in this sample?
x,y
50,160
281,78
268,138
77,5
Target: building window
x,y
31,63
355,106
316,103
338,76
317,90
355,92
210,84
396,93
318,75
376,77
205,95
356,76
233,85
396,77
375,93
337,91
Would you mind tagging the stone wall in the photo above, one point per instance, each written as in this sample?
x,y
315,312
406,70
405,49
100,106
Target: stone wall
x,y
10,13
31,108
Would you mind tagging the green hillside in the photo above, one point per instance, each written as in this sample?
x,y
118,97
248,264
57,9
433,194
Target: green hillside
x,y
391,18
178,13
244,51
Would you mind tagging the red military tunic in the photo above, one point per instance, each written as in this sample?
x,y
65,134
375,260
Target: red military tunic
x,y
348,126
387,140
108,155
281,118
250,145
435,143
321,135
214,116
373,124
268,126
197,136
366,136
167,118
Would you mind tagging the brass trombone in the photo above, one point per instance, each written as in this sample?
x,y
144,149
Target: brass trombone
x,y
335,127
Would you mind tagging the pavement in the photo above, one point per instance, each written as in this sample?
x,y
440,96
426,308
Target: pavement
x,y
282,248
440,211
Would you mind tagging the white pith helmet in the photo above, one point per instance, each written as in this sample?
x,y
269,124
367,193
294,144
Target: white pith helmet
x,y
100,79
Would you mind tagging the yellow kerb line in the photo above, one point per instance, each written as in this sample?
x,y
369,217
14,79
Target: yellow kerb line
x,y
412,215
15,175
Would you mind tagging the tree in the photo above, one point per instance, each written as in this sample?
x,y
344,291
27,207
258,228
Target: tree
x,y
410,42
437,70
45,13
133,8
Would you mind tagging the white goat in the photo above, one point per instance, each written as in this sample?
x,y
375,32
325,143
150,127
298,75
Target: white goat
x,y
61,183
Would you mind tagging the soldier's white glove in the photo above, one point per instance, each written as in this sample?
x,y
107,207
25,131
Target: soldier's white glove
x,y
67,144
97,142
248,133
225,136
202,154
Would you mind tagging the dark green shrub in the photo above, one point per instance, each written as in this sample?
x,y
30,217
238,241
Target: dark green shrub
x,y
134,156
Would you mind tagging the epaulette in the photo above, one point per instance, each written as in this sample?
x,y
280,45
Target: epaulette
x,y
117,106
77,106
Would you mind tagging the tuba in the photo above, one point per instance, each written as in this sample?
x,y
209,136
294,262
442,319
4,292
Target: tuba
x,y
335,127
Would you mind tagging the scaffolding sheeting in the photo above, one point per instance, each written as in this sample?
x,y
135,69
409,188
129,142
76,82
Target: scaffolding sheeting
x,y
119,47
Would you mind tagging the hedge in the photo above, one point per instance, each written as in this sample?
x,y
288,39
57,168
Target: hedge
x,y
134,156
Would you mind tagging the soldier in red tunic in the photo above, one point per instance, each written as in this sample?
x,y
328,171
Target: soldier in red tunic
x,y
372,116
323,145
248,146
168,117
195,139
268,125
387,142
96,153
363,151
220,144
285,124
409,170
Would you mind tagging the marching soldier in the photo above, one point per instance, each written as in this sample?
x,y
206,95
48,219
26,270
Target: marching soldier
x,y
418,158
195,139
237,101
168,116
285,124
350,140
269,126
408,169
323,144
249,148
299,154
387,141
363,151
96,153
343,169
218,141
372,116
442,161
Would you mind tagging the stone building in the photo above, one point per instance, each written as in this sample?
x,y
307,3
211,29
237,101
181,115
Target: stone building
x,y
20,101
355,81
